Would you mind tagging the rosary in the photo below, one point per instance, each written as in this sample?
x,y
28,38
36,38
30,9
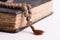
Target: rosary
x,y
27,13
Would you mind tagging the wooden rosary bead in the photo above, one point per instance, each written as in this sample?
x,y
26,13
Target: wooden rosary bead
x,y
9,5
28,18
13,5
24,8
29,6
6,4
19,5
26,14
29,23
9,1
1,3
29,11
16,4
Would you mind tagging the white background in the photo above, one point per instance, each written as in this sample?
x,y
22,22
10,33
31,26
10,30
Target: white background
x,y
51,26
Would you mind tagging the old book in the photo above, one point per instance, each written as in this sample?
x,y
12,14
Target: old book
x,y
13,20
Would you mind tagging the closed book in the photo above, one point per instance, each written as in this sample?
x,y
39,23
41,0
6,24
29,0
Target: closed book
x,y
13,20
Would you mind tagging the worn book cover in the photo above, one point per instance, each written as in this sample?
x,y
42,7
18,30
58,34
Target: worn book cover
x,y
13,20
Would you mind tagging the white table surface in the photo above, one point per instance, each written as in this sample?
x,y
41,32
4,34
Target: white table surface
x,y
49,25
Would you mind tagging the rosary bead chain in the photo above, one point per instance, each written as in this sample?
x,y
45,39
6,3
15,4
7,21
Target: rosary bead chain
x,y
27,13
